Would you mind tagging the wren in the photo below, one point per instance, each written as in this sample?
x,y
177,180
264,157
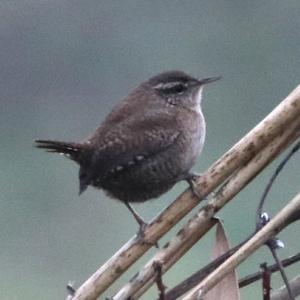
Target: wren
x,y
146,144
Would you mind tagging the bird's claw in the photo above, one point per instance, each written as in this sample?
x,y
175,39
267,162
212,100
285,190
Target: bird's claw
x,y
192,179
141,235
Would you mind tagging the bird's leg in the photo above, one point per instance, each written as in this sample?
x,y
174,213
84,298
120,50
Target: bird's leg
x,y
137,217
142,225
191,179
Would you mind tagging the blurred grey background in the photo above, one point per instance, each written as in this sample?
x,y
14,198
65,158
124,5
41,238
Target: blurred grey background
x,y
63,66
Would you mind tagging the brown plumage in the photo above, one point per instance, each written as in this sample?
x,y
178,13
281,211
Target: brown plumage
x,y
148,142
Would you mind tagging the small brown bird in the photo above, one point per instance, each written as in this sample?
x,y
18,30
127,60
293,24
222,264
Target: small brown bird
x,y
148,142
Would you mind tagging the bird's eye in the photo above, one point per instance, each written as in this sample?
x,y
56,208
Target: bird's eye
x,y
172,88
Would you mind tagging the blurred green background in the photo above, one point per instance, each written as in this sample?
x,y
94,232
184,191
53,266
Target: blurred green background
x,y
63,66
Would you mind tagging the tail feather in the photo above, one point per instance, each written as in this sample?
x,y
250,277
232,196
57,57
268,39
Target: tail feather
x,y
72,150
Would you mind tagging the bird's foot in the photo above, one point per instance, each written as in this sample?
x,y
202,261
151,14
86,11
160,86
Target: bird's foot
x,y
141,233
192,179
142,226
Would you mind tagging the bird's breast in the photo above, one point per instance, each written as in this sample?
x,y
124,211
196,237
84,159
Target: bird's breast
x,y
192,139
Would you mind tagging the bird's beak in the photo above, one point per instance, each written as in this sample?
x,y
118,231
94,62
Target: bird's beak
x,y
208,80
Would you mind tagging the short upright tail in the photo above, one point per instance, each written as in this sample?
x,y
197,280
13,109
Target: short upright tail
x,y
72,150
